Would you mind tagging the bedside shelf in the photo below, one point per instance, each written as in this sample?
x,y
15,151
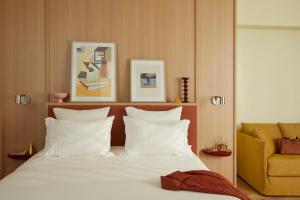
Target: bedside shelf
x,y
217,153
20,155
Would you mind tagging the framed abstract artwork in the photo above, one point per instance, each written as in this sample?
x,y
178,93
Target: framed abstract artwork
x,y
147,81
93,74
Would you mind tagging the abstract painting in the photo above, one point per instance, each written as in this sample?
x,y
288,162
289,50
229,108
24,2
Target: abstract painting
x,y
93,72
147,81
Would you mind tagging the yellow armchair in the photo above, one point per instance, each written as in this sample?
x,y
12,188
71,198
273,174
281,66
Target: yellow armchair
x,y
254,161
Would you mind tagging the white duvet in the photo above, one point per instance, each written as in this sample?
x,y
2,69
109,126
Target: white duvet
x,y
119,177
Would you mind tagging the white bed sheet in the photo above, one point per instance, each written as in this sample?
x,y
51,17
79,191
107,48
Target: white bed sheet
x,y
95,178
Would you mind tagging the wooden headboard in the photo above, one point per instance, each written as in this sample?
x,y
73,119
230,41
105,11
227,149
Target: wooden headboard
x,y
189,112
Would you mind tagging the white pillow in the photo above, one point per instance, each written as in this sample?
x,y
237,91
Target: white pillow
x,y
81,115
170,115
156,138
68,138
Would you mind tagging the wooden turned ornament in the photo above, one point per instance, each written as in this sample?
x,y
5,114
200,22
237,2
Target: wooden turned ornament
x,y
185,81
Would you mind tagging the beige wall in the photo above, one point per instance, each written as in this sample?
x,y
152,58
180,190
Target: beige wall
x,y
268,61
268,12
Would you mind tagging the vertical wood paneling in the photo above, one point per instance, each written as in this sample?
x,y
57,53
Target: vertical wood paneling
x,y
1,138
23,72
215,76
1,92
1,134
194,37
142,29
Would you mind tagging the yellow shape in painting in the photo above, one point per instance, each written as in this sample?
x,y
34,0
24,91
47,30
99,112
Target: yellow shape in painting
x,y
82,91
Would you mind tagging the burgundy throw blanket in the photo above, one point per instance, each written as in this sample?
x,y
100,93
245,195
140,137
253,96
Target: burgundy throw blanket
x,y
200,181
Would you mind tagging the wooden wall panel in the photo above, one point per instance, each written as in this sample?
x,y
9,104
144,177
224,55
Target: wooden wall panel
x,y
1,130
23,72
215,77
1,135
1,91
194,37
142,29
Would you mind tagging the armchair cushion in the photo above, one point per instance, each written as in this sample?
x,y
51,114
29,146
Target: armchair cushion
x,y
290,130
264,136
271,129
284,165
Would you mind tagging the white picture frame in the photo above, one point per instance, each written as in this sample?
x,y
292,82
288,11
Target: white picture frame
x,y
147,81
93,72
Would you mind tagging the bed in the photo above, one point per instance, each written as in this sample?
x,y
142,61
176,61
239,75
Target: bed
x,y
117,176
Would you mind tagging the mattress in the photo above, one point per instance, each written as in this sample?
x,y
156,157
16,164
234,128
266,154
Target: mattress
x,y
94,178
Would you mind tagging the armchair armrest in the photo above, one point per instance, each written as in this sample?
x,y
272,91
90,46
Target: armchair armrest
x,y
252,159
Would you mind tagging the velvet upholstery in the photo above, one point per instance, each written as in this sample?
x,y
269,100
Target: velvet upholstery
x,y
271,129
284,165
252,160
269,142
269,174
290,130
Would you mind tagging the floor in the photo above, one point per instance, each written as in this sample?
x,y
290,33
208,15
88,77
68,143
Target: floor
x,y
247,189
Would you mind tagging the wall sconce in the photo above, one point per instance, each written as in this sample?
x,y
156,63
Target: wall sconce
x,y
217,100
23,99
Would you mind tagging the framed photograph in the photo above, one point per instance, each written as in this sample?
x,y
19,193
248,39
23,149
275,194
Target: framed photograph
x,y
147,81
93,74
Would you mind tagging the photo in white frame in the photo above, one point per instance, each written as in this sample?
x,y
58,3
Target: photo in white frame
x,y
93,73
147,81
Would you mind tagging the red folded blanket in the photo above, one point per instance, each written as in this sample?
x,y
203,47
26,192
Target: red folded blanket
x,y
200,181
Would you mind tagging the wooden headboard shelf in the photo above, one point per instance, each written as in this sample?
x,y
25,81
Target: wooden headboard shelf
x,y
189,112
